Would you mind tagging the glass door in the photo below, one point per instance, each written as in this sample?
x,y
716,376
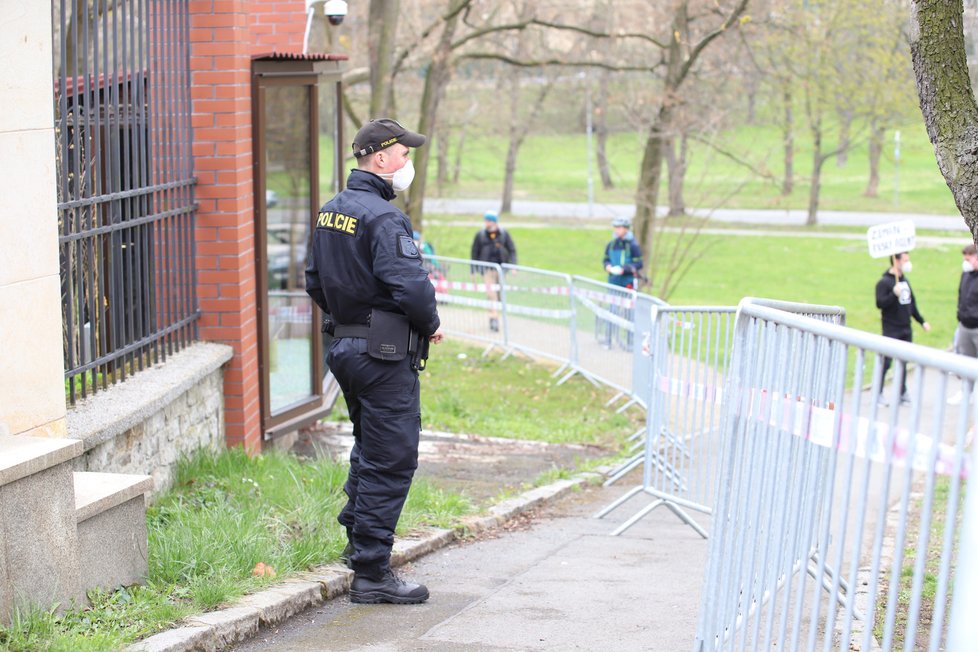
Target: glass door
x,y
287,208
289,174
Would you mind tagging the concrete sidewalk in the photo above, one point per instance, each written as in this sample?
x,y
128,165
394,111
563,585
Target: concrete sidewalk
x,y
557,581
539,572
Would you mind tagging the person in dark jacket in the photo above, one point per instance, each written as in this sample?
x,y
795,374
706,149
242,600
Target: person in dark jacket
x,y
622,256
492,244
897,304
966,338
966,335
364,271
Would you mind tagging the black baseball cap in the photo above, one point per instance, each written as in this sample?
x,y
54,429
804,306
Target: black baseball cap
x,y
382,133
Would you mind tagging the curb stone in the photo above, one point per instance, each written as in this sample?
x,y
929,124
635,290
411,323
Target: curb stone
x,y
217,630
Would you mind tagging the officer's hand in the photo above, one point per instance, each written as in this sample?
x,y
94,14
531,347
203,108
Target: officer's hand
x,y
436,337
926,326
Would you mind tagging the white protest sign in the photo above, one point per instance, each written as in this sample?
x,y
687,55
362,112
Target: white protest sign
x,y
891,238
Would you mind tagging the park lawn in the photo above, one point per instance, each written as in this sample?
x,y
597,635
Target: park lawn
x,y
833,271
554,167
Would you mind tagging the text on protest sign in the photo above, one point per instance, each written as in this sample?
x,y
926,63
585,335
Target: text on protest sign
x,y
891,238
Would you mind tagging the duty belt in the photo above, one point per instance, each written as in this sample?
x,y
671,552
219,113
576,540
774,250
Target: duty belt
x,y
356,330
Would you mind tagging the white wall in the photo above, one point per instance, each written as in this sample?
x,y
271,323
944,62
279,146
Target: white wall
x,y
32,399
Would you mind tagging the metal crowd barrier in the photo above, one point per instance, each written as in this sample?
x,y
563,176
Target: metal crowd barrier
x,y
689,348
590,328
469,293
539,311
604,332
838,523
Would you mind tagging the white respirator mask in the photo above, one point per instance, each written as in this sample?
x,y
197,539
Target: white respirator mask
x,y
967,267
906,267
401,179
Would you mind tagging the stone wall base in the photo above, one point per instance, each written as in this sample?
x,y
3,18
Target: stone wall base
x,y
146,424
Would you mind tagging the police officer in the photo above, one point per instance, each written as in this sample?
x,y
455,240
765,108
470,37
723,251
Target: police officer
x,y
364,266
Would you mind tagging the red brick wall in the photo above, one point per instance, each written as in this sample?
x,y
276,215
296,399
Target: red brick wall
x,y
279,25
224,34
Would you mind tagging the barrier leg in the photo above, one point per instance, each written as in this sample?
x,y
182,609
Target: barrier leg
x,y
624,469
627,405
686,518
611,507
613,399
560,370
843,597
637,517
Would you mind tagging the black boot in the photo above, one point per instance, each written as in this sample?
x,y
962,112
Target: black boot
x,y
346,557
389,588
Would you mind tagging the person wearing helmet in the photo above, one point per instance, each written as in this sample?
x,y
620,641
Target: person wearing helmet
x,y
492,244
622,256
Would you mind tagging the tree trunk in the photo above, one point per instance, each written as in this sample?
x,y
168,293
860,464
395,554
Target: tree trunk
x,y
457,164
676,164
816,179
875,151
752,104
788,137
381,37
601,129
442,144
439,71
845,126
650,171
946,99
647,195
514,140
441,137
680,57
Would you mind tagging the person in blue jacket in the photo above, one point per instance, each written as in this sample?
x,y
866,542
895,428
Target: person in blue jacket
x,y
622,256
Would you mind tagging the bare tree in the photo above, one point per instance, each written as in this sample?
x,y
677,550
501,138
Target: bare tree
x,y
788,141
381,37
601,130
946,99
520,123
679,55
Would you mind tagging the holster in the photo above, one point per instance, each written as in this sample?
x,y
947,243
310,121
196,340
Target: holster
x,y
419,359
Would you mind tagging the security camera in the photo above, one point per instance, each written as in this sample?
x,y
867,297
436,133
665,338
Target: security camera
x,y
335,11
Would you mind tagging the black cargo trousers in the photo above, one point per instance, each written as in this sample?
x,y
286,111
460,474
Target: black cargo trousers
x,y
384,400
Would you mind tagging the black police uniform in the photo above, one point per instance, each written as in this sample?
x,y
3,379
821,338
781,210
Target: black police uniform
x,y
363,257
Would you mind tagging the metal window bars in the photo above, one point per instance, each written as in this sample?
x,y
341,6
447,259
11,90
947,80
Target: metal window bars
x,y
125,186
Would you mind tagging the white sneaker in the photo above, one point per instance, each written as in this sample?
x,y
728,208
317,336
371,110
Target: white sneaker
x,y
955,398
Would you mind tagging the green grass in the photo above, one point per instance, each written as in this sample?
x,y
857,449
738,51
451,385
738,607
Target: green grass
x,y
515,398
931,573
554,167
226,513
518,399
815,270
